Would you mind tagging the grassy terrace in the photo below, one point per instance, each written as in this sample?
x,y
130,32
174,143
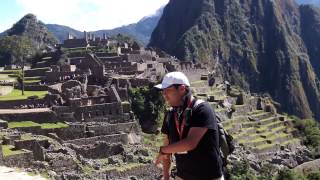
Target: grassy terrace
x,y
32,81
198,82
10,71
54,125
22,124
6,77
8,150
16,95
33,124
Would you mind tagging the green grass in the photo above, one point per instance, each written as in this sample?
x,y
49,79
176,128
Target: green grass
x,y
265,146
27,136
33,78
152,140
43,68
8,150
291,141
124,167
10,71
22,124
32,81
255,112
54,125
16,95
198,82
33,124
6,77
259,114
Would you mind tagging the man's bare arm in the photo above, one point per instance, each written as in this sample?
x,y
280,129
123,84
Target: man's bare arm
x,y
166,161
189,143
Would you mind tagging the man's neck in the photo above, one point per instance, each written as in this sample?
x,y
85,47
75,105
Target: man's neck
x,y
185,100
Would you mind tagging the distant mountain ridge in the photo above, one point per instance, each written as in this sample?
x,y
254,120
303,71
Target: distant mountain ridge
x,y
141,30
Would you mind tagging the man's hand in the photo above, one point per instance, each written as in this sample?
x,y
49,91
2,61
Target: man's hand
x,y
163,161
161,158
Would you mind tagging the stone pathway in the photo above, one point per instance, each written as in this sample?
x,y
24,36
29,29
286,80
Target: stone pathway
x,y
12,174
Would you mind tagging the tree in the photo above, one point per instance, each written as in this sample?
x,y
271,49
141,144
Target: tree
x,y
148,105
311,130
314,176
287,174
18,48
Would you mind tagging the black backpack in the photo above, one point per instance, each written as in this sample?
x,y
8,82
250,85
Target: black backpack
x,y
226,141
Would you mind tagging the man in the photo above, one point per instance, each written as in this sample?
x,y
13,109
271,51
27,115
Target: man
x,y
194,140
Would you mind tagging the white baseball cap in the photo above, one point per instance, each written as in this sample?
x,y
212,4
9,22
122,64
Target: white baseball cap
x,y
173,78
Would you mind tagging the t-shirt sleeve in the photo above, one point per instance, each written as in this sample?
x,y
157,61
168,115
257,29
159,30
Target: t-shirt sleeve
x,y
165,125
203,116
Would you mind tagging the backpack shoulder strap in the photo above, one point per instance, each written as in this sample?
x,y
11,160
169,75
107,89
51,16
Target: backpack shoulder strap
x,y
197,103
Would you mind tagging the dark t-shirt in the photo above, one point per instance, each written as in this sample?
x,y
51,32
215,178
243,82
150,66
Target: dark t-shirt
x,y
204,162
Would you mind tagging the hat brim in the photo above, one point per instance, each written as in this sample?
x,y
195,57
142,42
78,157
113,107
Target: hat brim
x,y
162,86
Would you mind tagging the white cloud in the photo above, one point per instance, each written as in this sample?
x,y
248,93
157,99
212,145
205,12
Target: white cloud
x,y
91,14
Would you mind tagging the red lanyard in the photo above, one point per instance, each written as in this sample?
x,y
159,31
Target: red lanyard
x,y
179,127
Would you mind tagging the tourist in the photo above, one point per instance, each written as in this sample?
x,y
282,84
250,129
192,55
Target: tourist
x,y
192,138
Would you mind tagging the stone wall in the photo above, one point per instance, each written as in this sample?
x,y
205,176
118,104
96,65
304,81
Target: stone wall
x,y
112,119
52,76
31,145
115,138
108,129
98,110
143,172
23,160
38,117
139,82
13,104
138,57
35,88
99,150
36,72
113,59
123,93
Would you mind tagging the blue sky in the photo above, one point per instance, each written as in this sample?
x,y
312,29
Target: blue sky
x,y
83,15
309,1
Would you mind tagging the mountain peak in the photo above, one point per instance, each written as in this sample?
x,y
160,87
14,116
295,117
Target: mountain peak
x,y
34,29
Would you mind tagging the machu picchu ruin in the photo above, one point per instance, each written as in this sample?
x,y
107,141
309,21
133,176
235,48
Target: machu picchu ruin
x,y
76,120
85,107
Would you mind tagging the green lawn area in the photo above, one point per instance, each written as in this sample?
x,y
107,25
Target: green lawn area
x,y
22,124
32,124
32,78
198,82
32,81
16,95
54,125
10,71
6,77
8,150
152,140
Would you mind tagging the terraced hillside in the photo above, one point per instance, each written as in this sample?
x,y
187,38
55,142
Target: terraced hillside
x,y
256,128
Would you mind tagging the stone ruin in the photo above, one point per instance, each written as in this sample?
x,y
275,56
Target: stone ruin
x,y
101,136
89,94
